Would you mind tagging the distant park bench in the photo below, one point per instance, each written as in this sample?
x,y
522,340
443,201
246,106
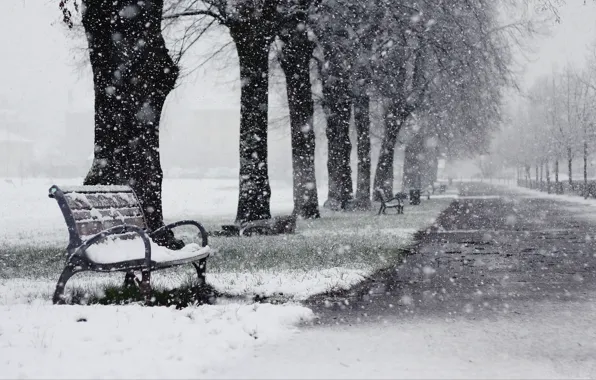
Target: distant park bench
x,y
395,202
108,233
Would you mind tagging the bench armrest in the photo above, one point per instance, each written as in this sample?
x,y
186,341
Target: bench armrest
x,y
119,230
171,226
398,199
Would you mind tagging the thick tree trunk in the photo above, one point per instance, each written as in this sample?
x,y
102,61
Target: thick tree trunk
x,y
557,170
414,163
337,103
570,165
295,62
548,184
362,123
541,176
394,121
131,82
585,169
254,196
434,169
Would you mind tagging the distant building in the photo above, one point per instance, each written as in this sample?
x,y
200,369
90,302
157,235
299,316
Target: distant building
x,y
16,154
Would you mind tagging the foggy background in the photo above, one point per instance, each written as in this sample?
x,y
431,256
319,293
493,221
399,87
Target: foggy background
x,y
46,99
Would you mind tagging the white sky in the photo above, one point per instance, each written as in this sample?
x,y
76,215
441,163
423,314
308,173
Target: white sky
x,y
567,41
40,83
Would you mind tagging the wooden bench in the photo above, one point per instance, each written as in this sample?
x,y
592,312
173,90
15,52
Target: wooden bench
x,y
395,203
108,233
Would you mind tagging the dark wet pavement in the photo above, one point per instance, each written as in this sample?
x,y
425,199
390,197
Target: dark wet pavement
x,y
490,253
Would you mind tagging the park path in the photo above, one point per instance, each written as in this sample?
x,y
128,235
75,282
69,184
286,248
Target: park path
x,y
502,286
491,249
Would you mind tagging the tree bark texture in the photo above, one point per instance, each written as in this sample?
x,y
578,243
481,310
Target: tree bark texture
x,y
133,74
586,170
541,176
548,182
295,61
337,103
362,123
570,165
252,44
418,163
394,121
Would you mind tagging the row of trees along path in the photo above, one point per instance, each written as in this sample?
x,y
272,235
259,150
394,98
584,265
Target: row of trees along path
x,y
437,70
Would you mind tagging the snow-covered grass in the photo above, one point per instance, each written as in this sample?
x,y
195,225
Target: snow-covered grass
x,y
45,341
334,252
532,193
38,339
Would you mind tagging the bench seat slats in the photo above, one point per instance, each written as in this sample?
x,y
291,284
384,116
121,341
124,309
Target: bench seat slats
x,y
96,189
106,214
89,228
87,201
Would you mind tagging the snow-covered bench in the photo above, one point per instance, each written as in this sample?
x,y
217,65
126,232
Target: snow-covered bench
x,y
395,203
108,233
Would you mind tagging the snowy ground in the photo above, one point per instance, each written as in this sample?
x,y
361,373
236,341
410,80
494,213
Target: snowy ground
x,y
332,253
38,339
536,341
497,297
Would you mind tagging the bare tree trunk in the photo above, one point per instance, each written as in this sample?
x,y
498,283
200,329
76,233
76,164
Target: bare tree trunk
x,y
295,61
394,120
548,184
570,165
337,104
414,162
362,122
434,167
131,83
585,169
252,44
541,177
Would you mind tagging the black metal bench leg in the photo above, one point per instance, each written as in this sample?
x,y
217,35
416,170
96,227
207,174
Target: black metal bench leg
x,y
67,273
131,280
204,293
201,268
146,285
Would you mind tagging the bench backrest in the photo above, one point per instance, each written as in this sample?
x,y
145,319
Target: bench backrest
x,y
382,196
88,210
401,196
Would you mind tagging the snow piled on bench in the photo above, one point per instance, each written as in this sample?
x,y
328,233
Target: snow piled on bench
x,y
118,250
89,342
